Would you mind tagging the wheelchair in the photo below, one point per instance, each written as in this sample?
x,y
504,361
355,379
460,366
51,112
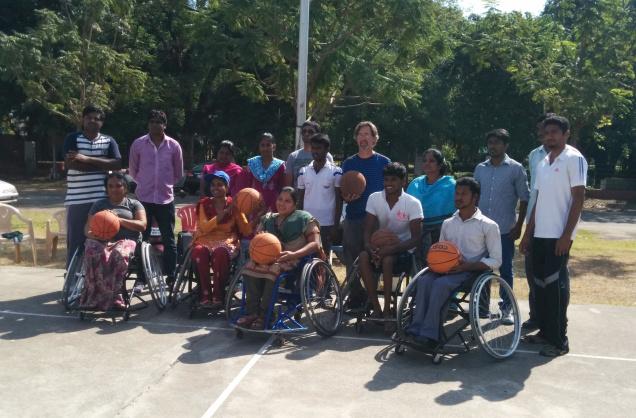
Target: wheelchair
x,y
186,284
469,305
307,297
361,310
145,271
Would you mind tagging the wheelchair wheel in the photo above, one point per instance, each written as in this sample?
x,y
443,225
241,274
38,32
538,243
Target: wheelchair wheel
x,y
354,295
152,261
74,281
235,299
320,294
497,338
405,309
184,276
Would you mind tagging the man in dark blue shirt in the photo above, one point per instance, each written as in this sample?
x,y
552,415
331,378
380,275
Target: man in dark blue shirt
x,y
371,165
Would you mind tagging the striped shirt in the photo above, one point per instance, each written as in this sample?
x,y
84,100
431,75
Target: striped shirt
x,y
88,186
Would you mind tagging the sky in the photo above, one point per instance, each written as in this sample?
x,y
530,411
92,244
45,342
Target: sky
x,y
477,6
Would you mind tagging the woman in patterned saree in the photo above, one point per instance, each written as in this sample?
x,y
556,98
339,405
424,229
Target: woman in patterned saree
x,y
106,262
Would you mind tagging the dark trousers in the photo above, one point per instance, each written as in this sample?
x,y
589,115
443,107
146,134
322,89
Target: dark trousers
x,y
531,291
505,270
552,291
76,216
164,216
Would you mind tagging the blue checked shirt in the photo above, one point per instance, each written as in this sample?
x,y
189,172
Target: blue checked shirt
x,y
502,187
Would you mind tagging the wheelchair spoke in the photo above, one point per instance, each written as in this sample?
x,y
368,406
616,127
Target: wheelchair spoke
x,y
320,292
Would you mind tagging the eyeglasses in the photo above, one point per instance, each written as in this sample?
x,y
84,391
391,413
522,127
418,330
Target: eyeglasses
x,y
308,131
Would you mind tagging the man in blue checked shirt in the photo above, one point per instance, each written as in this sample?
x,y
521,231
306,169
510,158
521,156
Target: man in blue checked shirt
x,y
504,183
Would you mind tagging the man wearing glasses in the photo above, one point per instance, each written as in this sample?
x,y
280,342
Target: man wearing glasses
x,y
156,164
88,155
302,157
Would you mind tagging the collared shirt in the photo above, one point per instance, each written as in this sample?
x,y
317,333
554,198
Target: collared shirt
x,y
320,191
155,169
554,185
477,238
88,186
299,159
534,159
502,186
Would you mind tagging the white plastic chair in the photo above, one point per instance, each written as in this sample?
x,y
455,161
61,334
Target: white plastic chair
x,y
53,236
7,212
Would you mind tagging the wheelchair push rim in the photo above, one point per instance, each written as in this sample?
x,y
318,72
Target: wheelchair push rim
x,y
496,338
74,281
321,297
184,277
152,261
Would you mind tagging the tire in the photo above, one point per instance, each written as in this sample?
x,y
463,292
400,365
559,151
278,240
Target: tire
x,y
152,262
321,297
235,300
406,306
184,275
353,282
74,281
494,337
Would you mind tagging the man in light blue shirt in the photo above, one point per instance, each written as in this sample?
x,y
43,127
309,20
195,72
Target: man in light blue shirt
x,y
504,183
534,159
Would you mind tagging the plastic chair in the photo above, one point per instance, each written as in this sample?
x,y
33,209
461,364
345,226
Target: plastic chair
x,y
188,216
6,214
53,237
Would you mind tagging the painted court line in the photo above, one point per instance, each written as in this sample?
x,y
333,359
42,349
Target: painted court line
x,y
237,380
340,337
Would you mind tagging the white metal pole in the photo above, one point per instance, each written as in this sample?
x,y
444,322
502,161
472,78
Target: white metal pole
x,y
303,51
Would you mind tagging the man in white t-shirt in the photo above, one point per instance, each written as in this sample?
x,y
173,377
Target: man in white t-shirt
x,y
319,190
401,213
301,157
560,187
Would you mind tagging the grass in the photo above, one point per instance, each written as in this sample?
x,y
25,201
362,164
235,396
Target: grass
x,y
601,271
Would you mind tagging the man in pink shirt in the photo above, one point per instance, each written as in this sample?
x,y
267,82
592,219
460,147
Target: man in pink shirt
x,y
156,164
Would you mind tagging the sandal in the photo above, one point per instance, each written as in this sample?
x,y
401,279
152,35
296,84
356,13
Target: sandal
x,y
258,324
533,339
246,321
553,351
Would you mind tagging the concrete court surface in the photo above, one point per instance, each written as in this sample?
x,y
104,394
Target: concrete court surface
x,y
165,365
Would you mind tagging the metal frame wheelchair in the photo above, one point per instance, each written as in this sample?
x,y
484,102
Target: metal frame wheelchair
x,y
470,304
186,284
362,314
315,293
144,268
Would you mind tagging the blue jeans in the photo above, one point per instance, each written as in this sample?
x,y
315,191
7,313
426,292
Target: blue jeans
x,y
505,270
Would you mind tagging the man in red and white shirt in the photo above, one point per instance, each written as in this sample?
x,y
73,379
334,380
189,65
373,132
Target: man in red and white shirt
x,y
560,187
156,164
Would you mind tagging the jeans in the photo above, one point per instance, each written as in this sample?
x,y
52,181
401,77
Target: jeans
x,y
164,215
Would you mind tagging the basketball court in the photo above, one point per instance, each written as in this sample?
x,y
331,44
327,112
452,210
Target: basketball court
x,y
164,364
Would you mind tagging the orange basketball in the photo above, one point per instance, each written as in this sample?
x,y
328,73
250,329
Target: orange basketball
x,y
443,256
247,200
353,182
104,225
265,248
384,237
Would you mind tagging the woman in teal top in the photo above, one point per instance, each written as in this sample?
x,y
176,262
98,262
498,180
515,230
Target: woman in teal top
x,y
436,192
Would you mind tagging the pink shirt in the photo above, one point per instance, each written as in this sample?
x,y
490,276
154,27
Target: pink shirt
x,y
155,169
233,170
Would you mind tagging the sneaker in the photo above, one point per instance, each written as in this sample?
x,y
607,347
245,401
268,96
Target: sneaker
x,y
139,288
507,318
553,351
530,325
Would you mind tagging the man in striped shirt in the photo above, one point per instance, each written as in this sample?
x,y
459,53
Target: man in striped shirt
x,y
89,155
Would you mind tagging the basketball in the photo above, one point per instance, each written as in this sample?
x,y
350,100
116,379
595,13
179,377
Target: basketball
x,y
352,182
383,237
265,248
247,200
104,225
443,256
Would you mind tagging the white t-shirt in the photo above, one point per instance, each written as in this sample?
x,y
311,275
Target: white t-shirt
x,y
320,191
554,183
398,218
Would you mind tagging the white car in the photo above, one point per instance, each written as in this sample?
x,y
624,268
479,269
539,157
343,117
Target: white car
x,y
8,192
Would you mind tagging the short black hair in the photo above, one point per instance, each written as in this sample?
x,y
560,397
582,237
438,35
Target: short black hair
x,y
471,183
292,192
322,139
267,135
394,169
156,114
94,109
439,157
119,176
499,133
314,125
562,122
544,116
227,144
